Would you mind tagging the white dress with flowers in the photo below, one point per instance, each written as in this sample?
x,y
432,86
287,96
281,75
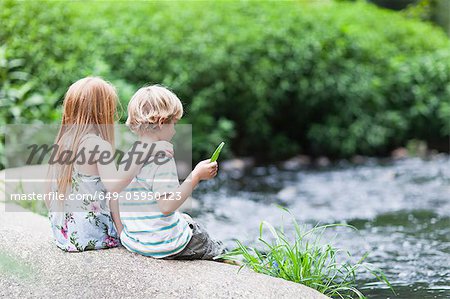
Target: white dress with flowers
x,y
84,224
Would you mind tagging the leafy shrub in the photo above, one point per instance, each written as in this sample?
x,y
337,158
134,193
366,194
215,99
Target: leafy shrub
x,y
331,78
19,102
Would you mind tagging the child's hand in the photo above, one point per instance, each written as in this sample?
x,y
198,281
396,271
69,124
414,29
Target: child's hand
x,y
205,170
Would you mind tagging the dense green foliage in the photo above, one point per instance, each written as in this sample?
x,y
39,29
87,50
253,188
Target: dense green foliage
x,y
271,80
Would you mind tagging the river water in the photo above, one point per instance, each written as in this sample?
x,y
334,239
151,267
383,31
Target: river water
x,y
400,208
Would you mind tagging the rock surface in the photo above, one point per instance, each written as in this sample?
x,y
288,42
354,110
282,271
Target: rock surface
x,y
31,266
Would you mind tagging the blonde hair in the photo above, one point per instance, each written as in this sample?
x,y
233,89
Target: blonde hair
x,y
89,107
150,105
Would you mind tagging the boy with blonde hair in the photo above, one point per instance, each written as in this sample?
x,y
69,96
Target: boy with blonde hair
x,y
152,226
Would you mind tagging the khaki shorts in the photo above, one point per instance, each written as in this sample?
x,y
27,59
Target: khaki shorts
x,y
201,246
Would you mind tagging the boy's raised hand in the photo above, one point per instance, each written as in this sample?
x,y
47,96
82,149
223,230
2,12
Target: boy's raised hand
x,y
205,170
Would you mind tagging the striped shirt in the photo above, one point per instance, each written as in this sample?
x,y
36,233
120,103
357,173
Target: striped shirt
x,y
146,230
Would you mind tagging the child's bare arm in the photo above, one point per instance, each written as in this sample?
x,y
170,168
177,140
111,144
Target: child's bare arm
x,y
114,207
204,170
116,179
112,178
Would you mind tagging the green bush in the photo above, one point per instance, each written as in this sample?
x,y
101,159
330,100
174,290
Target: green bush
x,y
19,103
332,78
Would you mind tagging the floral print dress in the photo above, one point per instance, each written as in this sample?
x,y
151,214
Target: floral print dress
x,y
86,222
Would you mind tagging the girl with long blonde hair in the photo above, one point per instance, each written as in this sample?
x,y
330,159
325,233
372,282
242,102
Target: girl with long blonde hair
x,y
86,218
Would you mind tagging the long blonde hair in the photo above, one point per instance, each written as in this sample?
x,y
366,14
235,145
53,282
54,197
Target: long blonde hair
x,y
89,106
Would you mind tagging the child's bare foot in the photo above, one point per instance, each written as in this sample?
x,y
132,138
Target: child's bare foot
x,y
235,263
230,262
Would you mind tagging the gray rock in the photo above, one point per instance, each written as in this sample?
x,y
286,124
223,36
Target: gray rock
x,y
31,266
400,153
296,163
323,162
237,164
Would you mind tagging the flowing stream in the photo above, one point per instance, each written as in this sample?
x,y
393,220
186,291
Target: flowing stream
x,y
400,208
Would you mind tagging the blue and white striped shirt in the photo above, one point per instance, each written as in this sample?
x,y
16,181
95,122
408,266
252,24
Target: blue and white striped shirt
x,y
146,230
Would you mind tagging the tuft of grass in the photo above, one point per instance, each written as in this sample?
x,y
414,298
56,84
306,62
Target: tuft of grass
x,y
14,267
34,205
306,260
